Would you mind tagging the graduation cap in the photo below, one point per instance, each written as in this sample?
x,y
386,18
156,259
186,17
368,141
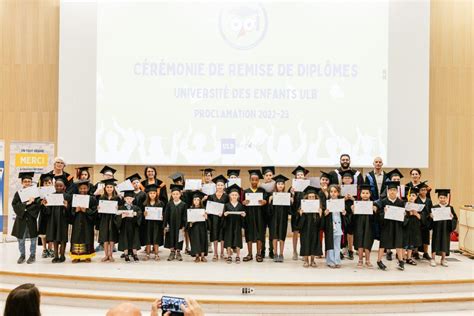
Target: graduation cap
x,y
177,176
280,178
81,182
84,168
233,188
26,175
176,187
134,177
300,169
45,177
108,169
256,172
128,193
392,184
365,187
220,178
310,189
61,178
444,192
325,175
422,185
267,169
394,172
198,194
348,173
233,172
151,187
109,181
409,190
207,170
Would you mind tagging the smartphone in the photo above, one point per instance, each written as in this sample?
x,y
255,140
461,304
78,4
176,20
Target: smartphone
x,y
172,304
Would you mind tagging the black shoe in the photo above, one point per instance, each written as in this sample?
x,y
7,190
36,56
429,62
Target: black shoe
x,y
341,255
31,259
135,257
62,259
271,255
381,265
351,255
126,257
401,265
416,256
263,254
426,256
45,254
21,260
389,255
55,260
122,255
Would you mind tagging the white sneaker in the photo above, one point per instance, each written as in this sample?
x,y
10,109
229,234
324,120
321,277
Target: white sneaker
x,y
432,263
444,263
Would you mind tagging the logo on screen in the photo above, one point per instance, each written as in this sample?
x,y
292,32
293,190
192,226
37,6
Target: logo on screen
x,y
228,146
243,26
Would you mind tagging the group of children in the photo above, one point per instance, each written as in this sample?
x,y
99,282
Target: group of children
x,y
130,227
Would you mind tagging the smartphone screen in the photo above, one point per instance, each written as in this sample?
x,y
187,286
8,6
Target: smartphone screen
x,y
172,304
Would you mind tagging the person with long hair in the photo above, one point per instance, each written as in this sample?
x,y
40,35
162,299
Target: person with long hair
x,y
24,300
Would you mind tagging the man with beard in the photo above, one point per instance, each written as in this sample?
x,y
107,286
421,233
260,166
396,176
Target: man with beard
x,y
336,175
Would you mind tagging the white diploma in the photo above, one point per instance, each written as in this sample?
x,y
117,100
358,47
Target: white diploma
x,y
55,200
127,213
100,186
234,213
335,205
45,191
214,208
193,184
107,207
233,181
300,184
253,198
441,214
350,189
80,200
154,213
363,207
395,213
209,188
125,186
196,215
409,206
268,187
310,206
315,182
29,192
281,198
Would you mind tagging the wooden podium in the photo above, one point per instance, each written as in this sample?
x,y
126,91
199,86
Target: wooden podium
x,y
466,230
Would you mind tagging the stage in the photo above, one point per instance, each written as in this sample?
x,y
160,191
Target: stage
x,y
278,288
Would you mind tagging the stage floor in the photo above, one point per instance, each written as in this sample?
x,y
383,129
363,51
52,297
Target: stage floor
x,y
460,267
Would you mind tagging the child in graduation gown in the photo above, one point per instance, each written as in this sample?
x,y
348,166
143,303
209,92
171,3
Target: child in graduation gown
x,y
425,223
58,224
233,223
83,219
215,221
46,180
347,179
334,226
440,243
128,220
108,232
279,220
174,223
411,226
300,174
363,224
198,230
309,225
25,225
391,235
254,222
153,235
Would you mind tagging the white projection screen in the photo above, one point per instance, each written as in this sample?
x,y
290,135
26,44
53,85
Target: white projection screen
x,y
244,83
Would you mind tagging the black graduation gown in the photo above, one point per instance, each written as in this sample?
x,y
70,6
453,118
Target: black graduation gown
x,y
83,224
391,235
425,223
153,229
349,227
411,185
129,236
363,233
254,219
328,227
215,222
335,179
279,221
232,226
198,237
108,231
174,219
162,194
309,225
187,197
73,189
441,239
412,231
297,197
26,216
58,221
69,179
138,200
